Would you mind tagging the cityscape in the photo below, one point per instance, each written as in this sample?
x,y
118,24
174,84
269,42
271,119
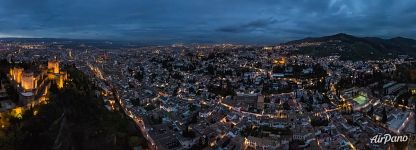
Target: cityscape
x,y
336,90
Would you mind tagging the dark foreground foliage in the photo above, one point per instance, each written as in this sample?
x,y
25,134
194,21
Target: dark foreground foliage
x,y
73,119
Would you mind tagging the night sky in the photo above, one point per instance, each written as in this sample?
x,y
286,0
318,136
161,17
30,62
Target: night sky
x,y
243,21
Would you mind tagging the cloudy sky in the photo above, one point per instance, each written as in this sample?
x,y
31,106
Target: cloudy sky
x,y
250,21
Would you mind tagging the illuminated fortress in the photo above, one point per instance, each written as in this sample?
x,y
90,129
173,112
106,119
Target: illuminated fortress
x,y
53,66
32,85
28,81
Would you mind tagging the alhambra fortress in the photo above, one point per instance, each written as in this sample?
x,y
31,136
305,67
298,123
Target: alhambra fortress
x,y
32,86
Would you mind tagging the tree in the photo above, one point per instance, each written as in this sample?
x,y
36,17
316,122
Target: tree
x,y
210,69
191,107
302,99
405,102
371,111
12,92
317,121
139,76
16,128
384,116
135,102
309,107
286,105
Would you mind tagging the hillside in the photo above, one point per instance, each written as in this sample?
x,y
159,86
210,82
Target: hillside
x,y
356,48
73,119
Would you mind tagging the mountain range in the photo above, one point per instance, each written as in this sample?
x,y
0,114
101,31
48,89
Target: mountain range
x,y
347,46
356,48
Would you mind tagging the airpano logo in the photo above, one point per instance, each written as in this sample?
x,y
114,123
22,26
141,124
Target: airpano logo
x,y
388,138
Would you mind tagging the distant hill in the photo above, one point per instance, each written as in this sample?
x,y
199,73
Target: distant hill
x,y
356,48
74,43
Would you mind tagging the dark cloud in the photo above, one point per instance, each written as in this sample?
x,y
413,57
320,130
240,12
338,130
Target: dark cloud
x,y
201,20
248,27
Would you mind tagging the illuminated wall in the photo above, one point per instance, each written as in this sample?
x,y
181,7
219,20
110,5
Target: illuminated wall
x,y
28,81
53,66
16,73
51,76
11,71
61,80
25,79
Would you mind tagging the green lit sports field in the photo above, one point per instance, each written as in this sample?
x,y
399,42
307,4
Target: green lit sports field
x,y
361,100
